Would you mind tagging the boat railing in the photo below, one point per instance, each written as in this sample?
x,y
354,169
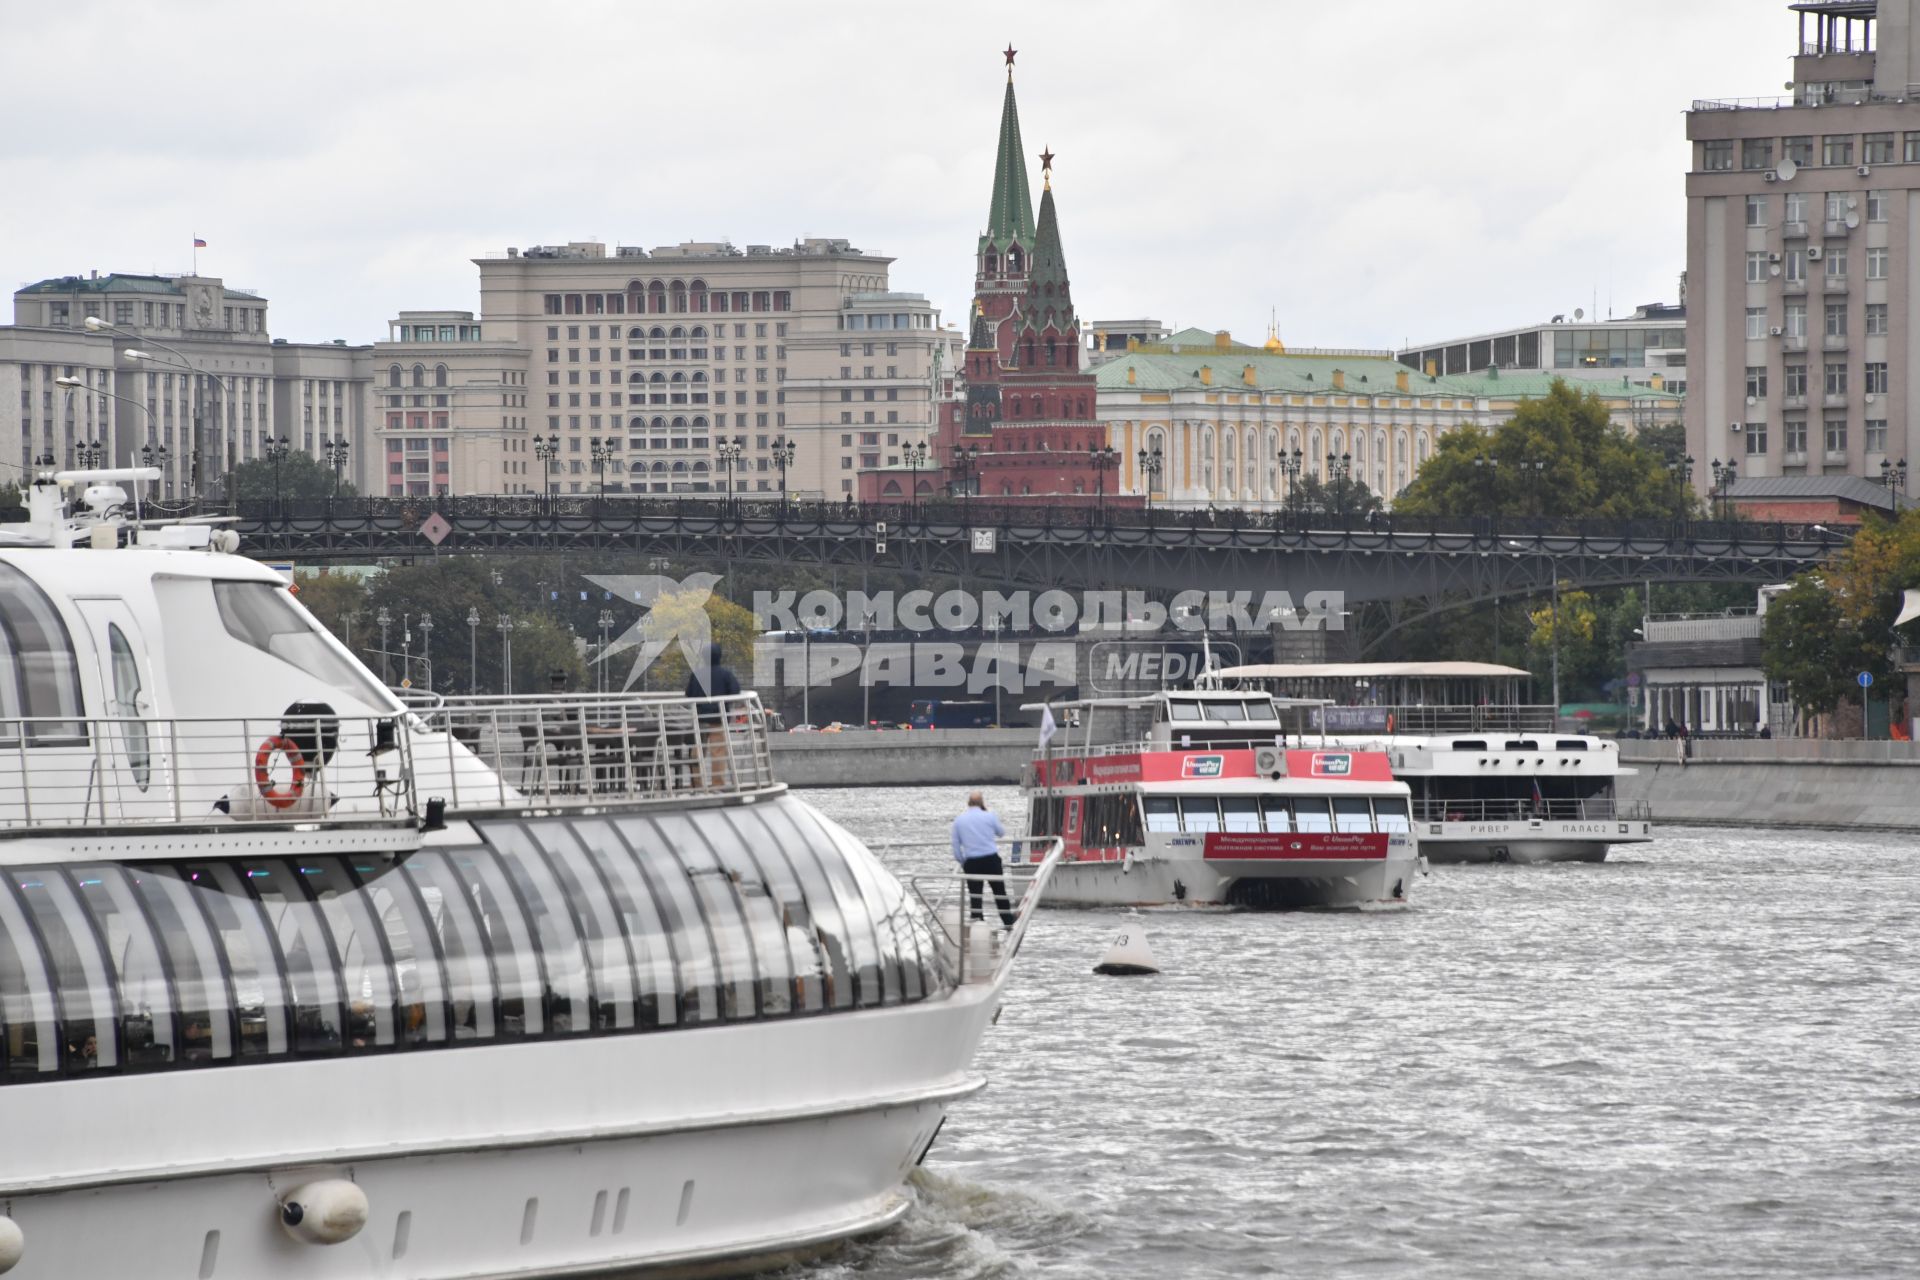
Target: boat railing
x,y
979,950
1595,809
578,750
1419,719
108,772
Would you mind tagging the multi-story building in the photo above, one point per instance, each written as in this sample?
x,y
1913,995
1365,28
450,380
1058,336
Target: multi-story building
x,y
194,377
451,410
1803,213
56,419
1109,338
649,362
1649,347
320,393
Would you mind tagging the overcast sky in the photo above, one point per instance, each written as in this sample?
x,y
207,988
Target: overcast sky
x,y
1369,170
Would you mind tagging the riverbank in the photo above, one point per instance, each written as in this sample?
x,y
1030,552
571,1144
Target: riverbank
x,y
1779,782
902,757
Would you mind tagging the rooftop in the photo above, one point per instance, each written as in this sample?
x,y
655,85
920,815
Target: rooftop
x,y
1838,488
115,282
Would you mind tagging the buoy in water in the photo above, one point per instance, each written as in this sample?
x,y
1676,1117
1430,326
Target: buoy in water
x,y
1129,955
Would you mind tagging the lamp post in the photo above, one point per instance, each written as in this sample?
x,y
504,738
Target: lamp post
x,y
155,457
729,452
1151,464
1100,457
88,454
1681,472
866,671
606,626
1339,468
94,324
599,451
383,620
505,626
335,450
1290,464
916,453
1723,478
967,462
77,384
1532,472
1894,476
783,452
473,649
993,623
276,450
406,651
426,650
546,449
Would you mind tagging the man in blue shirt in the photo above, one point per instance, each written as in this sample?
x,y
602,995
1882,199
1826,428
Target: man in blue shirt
x,y
974,833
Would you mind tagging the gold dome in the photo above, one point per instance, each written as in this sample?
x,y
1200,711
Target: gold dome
x,y
1275,346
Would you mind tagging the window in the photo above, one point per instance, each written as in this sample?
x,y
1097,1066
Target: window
x,y
39,675
1836,435
1756,438
1756,322
1876,206
263,616
1795,432
1757,380
1756,212
1876,148
1796,382
1876,264
1796,206
1876,435
1756,153
1716,155
1756,268
1912,155
1798,149
1836,206
1836,149
1836,319
1836,384
1796,320
1876,319
1876,377
1836,260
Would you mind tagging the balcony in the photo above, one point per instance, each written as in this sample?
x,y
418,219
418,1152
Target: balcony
x,y
1834,342
1837,227
1834,400
1732,624
1833,284
1793,286
1794,342
1793,230
1794,402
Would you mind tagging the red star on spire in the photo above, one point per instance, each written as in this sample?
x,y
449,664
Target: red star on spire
x,y
1046,160
1008,53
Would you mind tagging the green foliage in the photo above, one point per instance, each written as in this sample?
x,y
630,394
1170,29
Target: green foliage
x,y
1837,621
1559,455
1805,645
1340,496
301,476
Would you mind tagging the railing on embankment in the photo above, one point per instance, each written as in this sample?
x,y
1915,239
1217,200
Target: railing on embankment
x,y
1766,782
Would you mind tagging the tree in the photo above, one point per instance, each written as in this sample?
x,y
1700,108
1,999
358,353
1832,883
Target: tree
x,y
339,600
1559,455
727,623
1806,645
301,476
1576,625
1341,496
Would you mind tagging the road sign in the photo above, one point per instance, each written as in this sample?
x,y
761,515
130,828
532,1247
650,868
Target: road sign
x,y
1866,679
983,541
435,528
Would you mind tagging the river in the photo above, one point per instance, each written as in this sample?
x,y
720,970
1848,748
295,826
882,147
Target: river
x,y
1699,1059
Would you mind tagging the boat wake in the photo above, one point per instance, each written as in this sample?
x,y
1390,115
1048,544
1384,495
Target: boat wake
x,y
957,1229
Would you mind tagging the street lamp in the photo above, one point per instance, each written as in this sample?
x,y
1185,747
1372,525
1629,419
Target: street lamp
x,y
1100,457
1723,478
94,324
72,383
88,454
1290,464
598,448
783,452
1151,464
505,625
967,462
1894,476
336,453
383,620
1533,471
1489,468
606,626
426,649
916,458
546,449
729,453
1339,468
473,650
276,450
155,457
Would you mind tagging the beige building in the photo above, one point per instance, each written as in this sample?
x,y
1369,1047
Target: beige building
x,y
1803,255
451,409
646,361
1220,414
197,376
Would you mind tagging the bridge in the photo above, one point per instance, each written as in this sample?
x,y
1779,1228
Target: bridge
x,y
1415,564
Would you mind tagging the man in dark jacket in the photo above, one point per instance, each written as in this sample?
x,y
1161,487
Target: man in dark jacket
x,y
720,682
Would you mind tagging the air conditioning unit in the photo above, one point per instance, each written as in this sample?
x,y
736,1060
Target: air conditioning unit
x,y
1813,254
1775,332
1869,397
1772,175
1773,257
1266,761
1864,170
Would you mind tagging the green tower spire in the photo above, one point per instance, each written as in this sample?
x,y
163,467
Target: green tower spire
x,y
1010,218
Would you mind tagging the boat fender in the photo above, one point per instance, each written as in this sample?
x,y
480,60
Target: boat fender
x,y
263,781
1126,862
1128,956
324,1212
13,1244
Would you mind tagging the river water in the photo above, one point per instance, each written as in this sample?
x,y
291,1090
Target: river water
x,y
1700,1058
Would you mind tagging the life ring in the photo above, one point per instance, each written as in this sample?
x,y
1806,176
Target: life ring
x,y
263,781
1389,722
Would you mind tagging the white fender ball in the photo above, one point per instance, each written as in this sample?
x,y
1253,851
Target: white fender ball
x,y
324,1212
13,1244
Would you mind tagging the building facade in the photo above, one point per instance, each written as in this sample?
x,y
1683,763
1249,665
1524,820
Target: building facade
x,y
1803,255
451,409
197,384
1649,347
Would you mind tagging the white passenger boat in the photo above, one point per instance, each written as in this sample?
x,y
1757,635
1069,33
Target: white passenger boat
x,y
1217,799
298,983
1493,778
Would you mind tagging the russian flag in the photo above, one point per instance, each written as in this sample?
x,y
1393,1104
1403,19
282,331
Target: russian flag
x,y
198,243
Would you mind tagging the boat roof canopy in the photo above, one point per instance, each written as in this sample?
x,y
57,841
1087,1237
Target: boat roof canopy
x,y
1364,670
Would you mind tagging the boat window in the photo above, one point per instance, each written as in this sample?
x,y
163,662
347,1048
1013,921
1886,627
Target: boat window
x,y
1570,744
470,982
193,961
366,970
1275,814
719,906
829,924
640,921
900,974
1163,813
1310,814
789,904
1352,814
569,1005
414,948
1222,712
1390,814
1241,813
147,1032
1185,711
609,959
1199,813
307,959
265,617
1520,744
1469,744
519,983
259,988
1111,820
680,918
39,676
27,1020
82,988
870,987
125,705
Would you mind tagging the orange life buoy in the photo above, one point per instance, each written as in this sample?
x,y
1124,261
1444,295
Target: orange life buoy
x,y
1389,722
262,780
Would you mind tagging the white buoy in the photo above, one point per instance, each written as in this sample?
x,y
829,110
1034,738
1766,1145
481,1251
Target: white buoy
x,y
13,1244
324,1212
1129,955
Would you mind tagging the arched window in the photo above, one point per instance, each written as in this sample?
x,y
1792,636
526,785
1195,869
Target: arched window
x,y
1013,407
699,422
1030,350
659,424
993,263
679,467
1006,489
678,331
700,375
1316,460
679,296
700,331
1359,452
39,674
699,294
439,375
1337,442
636,299
700,468
657,297
659,468
659,376
636,333
1013,258
891,490
1206,459
1080,408
1052,352
1420,450
658,334
679,424
394,376
636,376
678,376
419,375
1229,468
638,465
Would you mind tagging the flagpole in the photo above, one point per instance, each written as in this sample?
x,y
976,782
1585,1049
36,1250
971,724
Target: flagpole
x,y
196,255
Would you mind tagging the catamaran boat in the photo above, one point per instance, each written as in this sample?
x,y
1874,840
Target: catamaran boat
x,y
1217,799
1494,778
299,982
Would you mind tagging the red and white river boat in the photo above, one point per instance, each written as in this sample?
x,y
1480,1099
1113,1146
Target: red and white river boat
x,y
1217,799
